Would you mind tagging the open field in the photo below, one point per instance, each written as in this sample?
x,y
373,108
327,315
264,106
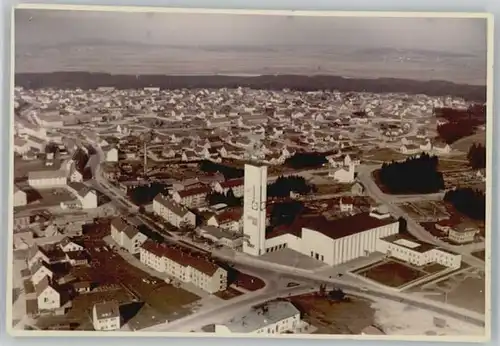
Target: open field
x,y
464,144
391,273
332,188
383,155
453,164
350,316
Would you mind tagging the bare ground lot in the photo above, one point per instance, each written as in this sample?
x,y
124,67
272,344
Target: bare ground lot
x,y
480,254
346,317
465,289
426,209
391,273
229,293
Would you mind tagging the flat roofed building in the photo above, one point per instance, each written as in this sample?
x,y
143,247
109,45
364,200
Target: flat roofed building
x,y
47,179
413,251
269,318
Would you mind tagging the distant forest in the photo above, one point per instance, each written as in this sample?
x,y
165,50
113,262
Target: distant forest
x,y
87,80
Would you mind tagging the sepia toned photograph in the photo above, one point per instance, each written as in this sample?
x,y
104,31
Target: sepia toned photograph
x,y
250,174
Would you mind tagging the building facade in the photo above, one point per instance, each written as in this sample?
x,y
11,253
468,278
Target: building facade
x,y
172,212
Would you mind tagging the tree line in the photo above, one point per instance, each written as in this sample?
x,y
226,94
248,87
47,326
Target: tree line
x,y
461,123
228,171
415,175
306,160
145,194
228,198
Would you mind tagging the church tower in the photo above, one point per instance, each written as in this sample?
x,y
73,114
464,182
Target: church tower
x,y
254,209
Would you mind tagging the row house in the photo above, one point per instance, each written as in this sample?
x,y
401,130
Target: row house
x,y
185,267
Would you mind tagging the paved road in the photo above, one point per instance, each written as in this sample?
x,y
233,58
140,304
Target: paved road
x,y
419,232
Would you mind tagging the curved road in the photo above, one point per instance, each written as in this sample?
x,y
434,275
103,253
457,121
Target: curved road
x,y
419,232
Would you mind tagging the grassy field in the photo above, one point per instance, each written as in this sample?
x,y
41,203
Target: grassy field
x,y
384,155
464,144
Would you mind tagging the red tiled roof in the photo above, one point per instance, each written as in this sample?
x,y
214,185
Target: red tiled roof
x,y
232,183
334,229
230,215
184,258
196,191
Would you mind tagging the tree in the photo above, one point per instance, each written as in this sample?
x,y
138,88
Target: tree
x,y
403,225
306,160
467,201
418,174
477,156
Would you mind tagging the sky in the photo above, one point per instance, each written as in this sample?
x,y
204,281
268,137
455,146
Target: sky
x,y
136,43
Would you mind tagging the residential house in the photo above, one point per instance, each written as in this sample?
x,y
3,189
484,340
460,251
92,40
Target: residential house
x,y
36,254
20,197
111,154
39,270
67,245
127,236
172,212
85,195
230,220
357,189
192,198
409,149
106,316
47,295
441,148
236,185
346,204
